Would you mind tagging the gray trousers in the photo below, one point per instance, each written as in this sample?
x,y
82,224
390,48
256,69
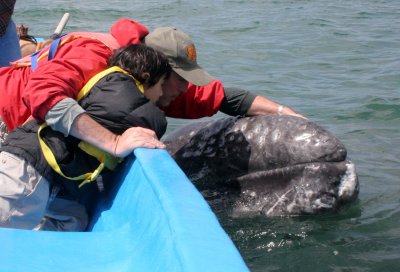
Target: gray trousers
x,y
27,203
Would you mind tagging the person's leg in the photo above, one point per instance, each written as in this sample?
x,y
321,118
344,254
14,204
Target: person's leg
x,y
9,45
24,193
64,215
26,202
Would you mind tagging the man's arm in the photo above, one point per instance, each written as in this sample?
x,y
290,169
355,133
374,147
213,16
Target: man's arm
x,y
240,102
68,117
86,129
265,106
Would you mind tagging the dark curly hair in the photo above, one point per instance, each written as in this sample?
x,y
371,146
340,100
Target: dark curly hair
x,y
138,59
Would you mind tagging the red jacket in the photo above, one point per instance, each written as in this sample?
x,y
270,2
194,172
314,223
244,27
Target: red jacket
x,y
25,93
197,102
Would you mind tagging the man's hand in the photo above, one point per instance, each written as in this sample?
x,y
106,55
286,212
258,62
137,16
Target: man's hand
x,y
87,129
135,137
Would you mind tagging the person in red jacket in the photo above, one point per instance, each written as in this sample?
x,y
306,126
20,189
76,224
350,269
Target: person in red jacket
x,y
190,92
48,93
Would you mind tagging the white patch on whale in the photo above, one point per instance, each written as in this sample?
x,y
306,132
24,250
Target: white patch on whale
x,y
348,183
280,199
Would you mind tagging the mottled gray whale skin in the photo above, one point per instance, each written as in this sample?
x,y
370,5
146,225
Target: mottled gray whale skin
x,y
269,165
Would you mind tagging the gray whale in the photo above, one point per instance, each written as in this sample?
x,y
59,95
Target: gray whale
x,y
266,165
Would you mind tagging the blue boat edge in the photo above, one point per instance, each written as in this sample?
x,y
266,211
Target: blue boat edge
x,y
156,221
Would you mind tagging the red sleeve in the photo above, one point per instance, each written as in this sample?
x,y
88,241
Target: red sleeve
x,y
197,102
65,75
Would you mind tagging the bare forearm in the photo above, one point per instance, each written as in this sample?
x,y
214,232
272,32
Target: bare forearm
x,y
88,130
265,106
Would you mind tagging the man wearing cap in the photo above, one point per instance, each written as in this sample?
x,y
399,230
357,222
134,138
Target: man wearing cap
x,y
191,92
48,93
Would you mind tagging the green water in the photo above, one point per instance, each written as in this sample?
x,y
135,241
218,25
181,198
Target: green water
x,y
337,62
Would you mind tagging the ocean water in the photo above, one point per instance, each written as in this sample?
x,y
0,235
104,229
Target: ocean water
x,y
337,62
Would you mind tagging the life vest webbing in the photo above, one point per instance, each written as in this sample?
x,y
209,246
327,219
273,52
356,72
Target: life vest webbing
x,y
52,52
106,39
88,86
105,159
51,160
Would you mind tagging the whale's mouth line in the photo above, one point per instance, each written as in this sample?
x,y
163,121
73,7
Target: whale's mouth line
x,y
289,169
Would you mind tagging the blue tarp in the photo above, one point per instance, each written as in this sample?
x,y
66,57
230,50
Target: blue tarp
x,y
154,221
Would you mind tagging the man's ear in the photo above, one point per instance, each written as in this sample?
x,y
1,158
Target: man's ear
x,y
145,75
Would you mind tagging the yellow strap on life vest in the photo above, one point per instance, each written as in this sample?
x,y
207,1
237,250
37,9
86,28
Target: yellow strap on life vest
x,y
51,160
88,86
105,159
110,161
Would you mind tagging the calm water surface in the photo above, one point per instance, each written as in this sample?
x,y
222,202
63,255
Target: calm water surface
x,y
337,62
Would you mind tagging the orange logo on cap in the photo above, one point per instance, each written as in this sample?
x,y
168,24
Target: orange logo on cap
x,y
191,52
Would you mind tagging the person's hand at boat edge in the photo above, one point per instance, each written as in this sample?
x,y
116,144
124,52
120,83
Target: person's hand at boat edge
x,y
135,137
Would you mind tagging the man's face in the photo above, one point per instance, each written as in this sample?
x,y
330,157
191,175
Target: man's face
x,y
172,87
154,92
